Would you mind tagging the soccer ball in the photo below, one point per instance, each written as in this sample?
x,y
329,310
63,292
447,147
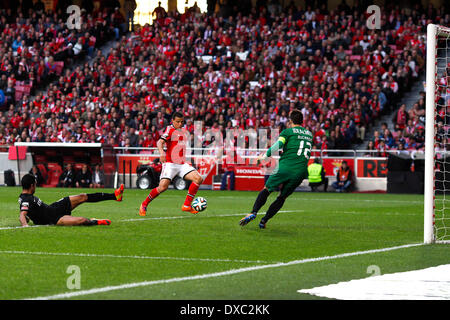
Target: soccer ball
x,y
199,204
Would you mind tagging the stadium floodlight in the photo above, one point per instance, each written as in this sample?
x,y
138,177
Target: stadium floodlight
x,y
436,205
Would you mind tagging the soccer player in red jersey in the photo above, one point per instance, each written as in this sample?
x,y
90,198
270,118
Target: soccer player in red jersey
x,y
173,160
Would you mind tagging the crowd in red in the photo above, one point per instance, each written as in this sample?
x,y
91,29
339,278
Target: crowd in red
x,y
241,71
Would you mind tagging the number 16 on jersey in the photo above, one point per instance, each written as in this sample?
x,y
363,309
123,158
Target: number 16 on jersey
x,y
306,151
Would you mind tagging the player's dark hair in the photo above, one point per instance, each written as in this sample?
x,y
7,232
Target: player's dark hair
x,y
296,116
27,181
177,114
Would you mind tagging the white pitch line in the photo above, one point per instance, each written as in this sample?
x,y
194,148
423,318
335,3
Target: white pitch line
x,y
332,199
203,216
126,257
212,216
362,200
20,227
158,218
380,213
215,274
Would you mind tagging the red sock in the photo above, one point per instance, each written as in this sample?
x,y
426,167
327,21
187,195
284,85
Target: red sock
x,y
193,188
153,194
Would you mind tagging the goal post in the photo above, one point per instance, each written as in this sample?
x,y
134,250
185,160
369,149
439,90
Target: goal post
x,y
437,100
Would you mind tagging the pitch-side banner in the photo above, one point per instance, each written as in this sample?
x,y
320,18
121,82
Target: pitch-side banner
x,y
361,167
207,167
372,167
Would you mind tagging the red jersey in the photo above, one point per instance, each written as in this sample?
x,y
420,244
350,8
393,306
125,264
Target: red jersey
x,y
176,141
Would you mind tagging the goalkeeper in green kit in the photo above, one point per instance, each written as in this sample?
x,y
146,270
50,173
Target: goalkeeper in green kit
x,y
296,144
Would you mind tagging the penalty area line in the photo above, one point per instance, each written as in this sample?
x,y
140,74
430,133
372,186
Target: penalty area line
x,y
67,295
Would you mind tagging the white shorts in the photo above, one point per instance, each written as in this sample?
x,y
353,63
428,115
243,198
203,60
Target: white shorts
x,y
170,170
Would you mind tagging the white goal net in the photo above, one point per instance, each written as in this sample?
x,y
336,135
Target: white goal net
x,y
437,138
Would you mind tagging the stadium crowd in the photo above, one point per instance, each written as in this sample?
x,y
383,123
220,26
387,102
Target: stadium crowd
x,y
243,70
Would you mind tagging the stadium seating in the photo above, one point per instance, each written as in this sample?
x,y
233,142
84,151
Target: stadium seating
x,y
54,172
43,171
77,166
39,159
239,67
68,159
43,60
95,160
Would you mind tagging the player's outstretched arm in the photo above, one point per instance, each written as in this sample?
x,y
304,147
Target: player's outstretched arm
x,y
276,146
23,218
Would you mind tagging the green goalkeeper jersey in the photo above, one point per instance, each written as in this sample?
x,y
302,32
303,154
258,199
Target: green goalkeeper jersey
x,y
296,143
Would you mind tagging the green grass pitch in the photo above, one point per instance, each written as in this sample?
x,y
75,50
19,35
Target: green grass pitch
x,y
173,255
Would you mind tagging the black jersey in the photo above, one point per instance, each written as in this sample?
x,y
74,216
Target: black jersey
x,y
41,213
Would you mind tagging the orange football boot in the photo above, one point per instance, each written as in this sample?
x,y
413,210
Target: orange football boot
x,y
102,222
142,211
188,209
119,193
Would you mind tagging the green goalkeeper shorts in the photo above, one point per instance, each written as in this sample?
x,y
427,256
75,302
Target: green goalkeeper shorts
x,y
286,179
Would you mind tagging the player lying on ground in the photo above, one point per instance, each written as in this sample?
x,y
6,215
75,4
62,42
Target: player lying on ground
x,y
296,143
173,160
59,212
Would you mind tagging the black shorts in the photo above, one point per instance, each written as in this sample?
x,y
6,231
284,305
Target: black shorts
x,y
60,208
